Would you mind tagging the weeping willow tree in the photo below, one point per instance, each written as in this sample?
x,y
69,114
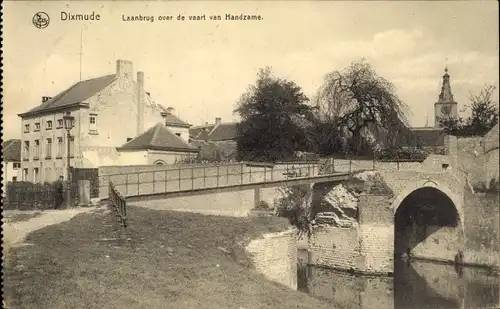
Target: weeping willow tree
x,y
354,102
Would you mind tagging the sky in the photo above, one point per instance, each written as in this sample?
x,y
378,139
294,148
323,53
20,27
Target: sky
x,y
201,68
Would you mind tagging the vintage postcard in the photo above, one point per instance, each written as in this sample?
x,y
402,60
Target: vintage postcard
x,y
250,154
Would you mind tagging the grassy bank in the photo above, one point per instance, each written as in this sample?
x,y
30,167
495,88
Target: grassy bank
x,y
174,260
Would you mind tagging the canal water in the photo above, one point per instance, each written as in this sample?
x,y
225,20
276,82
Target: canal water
x,y
422,285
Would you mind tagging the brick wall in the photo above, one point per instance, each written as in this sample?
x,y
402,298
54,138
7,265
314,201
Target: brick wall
x,y
275,256
336,247
376,233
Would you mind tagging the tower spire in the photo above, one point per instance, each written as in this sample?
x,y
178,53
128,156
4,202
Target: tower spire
x,y
446,96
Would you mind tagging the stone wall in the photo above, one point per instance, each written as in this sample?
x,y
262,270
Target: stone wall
x,y
481,228
275,256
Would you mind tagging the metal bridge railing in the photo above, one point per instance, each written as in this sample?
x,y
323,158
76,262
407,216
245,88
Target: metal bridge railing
x,y
220,176
118,203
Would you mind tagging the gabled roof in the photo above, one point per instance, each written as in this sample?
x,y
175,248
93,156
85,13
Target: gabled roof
x,y
223,132
11,150
158,137
74,95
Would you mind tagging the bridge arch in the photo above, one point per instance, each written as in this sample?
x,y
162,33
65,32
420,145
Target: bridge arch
x,y
159,162
429,183
428,221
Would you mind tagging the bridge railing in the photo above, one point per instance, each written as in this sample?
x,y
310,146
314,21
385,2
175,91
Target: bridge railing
x,y
118,204
190,178
210,176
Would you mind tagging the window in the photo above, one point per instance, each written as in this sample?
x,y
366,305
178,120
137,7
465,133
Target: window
x,y
26,151
49,125
59,172
48,174
60,144
37,126
26,128
36,150
72,146
48,149
93,124
36,177
25,174
16,165
60,123
14,179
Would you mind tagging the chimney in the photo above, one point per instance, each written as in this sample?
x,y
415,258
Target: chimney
x,y
45,99
218,120
140,102
124,71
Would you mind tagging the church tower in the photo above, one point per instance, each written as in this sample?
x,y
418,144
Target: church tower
x,y
445,107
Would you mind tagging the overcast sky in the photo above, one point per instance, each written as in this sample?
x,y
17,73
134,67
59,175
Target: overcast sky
x,y
202,67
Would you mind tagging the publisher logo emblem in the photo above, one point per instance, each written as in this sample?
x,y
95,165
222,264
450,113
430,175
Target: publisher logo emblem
x,y
41,20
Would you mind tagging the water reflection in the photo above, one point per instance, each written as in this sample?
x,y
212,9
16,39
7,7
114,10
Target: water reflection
x,y
417,285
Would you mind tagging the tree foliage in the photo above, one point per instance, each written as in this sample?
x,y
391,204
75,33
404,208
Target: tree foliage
x,y
353,100
274,116
484,115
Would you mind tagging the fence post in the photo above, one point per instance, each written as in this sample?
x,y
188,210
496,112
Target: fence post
x,y
192,178
250,174
241,173
138,188
350,165
218,169
265,175
397,162
166,190
204,177
154,181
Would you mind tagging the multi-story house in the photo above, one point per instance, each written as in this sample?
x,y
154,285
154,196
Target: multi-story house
x,y
108,111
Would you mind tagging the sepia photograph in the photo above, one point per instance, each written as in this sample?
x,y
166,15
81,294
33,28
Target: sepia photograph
x,y
250,154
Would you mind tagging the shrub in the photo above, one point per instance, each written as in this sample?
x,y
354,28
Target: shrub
x,y
263,205
296,207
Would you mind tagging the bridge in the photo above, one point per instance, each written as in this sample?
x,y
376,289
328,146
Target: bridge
x,y
423,212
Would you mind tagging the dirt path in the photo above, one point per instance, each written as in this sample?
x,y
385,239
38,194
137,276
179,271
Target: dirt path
x,y
14,233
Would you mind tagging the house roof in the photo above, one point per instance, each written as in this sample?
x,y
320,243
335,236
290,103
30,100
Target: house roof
x,y
74,95
194,132
158,137
223,132
11,150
